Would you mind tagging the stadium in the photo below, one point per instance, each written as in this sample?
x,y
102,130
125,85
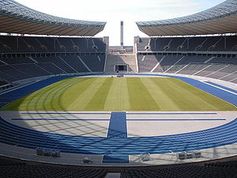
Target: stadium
x,y
71,105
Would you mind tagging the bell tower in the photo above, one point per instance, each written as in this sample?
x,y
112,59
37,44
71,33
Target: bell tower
x,y
121,34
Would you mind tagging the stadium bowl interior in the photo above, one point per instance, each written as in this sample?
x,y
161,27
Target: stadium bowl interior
x,y
71,105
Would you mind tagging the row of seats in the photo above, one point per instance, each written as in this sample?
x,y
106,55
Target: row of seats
x,y
224,68
21,169
226,164
13,69
216,43
12,44
47,171
181,171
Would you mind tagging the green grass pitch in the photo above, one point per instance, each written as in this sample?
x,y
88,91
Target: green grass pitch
x,y
120,94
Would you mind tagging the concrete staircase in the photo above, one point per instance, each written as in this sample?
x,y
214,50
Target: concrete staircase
x,y
115,59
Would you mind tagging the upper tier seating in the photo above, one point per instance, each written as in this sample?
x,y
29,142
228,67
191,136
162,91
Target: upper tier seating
x,y
13,44
217,43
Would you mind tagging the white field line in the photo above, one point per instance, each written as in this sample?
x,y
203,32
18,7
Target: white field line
x,y
220,88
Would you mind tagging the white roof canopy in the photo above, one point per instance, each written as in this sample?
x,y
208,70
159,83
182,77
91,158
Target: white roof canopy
x,y
17,18
220,19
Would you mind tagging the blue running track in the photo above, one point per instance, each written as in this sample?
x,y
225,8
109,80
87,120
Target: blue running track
x,y
116,147
117,129
21,92
221,86
229,97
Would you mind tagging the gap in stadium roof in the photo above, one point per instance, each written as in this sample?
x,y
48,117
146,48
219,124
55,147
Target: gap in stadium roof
x,y
113,11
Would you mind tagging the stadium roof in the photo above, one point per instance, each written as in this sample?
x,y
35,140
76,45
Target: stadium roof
x,y
220,19
17,18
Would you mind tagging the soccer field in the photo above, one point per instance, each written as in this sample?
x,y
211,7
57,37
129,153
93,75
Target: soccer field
x,y
120,94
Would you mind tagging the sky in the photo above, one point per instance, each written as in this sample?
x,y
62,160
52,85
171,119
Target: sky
x,y
114,11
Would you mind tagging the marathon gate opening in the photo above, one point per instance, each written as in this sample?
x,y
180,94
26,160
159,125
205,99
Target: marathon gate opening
x,y
121,68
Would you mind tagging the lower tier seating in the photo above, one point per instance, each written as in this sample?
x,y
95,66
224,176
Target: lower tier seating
x,y
13,69
20,169
223,68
